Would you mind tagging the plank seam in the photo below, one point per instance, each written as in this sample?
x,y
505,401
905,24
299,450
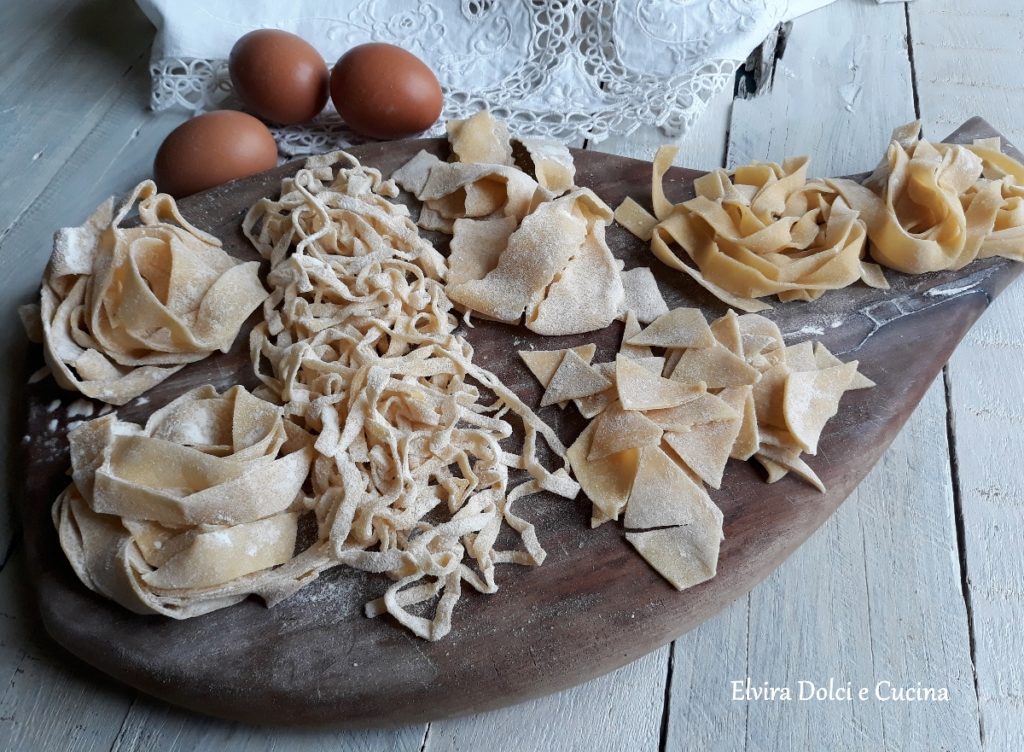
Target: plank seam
x,y
913,63
11,546
666,707
119,738
961,538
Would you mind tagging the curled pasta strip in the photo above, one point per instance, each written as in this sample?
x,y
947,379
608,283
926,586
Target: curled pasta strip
x,y
123,308
762,229
192,512
930,207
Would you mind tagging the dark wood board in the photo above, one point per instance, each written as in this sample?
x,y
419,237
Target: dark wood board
x,y
593,606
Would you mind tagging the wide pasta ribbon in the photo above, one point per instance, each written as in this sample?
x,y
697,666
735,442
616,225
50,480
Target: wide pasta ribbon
x,y
123,308
192,512
930,207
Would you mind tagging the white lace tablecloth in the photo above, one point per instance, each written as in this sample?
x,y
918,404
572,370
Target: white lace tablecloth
x,y
566,69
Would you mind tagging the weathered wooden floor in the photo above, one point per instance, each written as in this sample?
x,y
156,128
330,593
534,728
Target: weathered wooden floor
x,y
917,580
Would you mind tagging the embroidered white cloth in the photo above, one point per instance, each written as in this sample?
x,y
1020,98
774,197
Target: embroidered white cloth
x,y
565,69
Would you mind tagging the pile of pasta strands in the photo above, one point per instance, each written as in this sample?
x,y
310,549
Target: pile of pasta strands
x,y
764,229
409,476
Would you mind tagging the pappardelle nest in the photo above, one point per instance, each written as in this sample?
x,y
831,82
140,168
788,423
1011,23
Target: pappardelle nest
x,y
123,308
764,229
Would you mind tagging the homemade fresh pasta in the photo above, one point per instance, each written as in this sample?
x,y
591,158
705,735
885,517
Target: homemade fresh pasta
x,y
123,308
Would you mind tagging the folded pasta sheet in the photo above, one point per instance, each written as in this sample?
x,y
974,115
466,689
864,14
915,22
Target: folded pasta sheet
x,y
764,229
524,247
759,230
123,308
192,512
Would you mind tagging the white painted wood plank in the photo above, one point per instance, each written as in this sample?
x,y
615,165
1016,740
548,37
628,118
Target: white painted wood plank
x,y
703,148
965,57
839,90
62,67
151,725
48,700
836,608
618,712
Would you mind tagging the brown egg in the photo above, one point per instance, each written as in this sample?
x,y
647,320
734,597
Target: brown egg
x,y
383,91
279,76
212,149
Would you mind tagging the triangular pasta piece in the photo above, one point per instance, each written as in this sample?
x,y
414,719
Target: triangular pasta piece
x,y
607,482
642,295
748,440
768,396
639,389
685,556
793,463
618,430
716,366
800,357
826,359
706,448
759,334
727,331
679,328
707,408
811,398
574,378
664,494
595,404
631,329
544,363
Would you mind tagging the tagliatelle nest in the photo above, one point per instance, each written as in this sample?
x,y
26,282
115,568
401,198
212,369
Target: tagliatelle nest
x,y
410,478
123,308
761,229
930,207
193,511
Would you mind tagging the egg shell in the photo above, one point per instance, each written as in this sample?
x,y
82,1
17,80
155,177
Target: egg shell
x,y
211,149
279,76
383,91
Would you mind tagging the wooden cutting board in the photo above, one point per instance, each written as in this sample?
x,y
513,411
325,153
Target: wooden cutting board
x,y
593,606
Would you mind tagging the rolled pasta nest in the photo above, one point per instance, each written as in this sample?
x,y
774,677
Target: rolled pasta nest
x,y
123,308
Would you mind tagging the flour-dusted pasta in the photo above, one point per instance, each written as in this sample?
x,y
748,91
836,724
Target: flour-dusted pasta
x,y
123,308
524,248
409,477
670,424
192,512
